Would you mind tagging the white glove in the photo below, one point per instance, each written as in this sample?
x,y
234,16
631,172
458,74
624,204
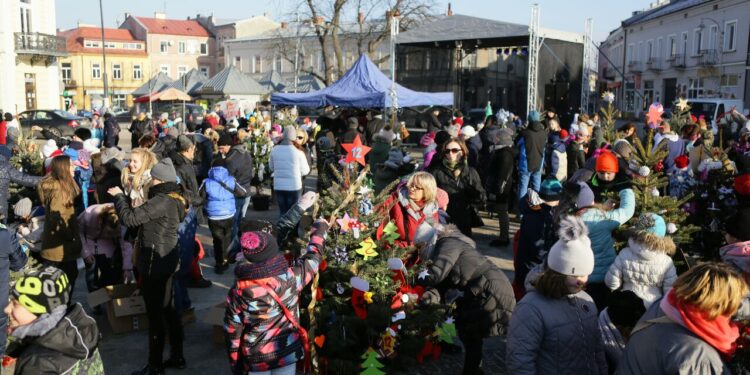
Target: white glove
x,y
308,200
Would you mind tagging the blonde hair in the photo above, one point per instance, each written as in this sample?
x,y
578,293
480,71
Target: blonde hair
x,y
714,288
427,182
148,160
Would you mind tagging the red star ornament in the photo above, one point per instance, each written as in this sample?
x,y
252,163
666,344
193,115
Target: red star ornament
x,y
356,151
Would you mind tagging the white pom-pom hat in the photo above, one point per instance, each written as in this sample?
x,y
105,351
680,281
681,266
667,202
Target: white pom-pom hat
x,y
571,255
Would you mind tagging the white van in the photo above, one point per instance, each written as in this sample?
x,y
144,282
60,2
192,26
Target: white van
x,y
713,108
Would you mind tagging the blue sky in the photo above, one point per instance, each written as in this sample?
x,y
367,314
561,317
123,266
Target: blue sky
x,y
568,15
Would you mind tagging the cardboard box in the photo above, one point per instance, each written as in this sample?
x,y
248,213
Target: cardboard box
x,y
215,317
126,309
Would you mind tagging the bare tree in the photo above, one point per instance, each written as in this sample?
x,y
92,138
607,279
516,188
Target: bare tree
x,y
323,20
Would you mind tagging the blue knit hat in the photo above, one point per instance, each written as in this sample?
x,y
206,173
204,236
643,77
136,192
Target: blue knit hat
x,y
652,223
534,116
551,190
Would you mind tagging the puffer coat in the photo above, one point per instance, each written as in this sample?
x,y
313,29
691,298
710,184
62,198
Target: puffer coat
x,y
464,191
555,336
601,224
649,273
220,190
488,300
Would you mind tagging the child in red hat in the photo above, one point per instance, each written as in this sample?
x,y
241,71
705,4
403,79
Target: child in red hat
x,y
681,180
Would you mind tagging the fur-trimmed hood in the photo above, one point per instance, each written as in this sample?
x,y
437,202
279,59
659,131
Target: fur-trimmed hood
x,y
644,244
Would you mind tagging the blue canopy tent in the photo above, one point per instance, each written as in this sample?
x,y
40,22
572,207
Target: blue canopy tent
x,y
363,86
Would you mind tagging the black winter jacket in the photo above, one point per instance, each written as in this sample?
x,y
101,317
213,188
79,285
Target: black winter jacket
x,y
463,193
240,166
138,129
474,145
70,347
576,158
187,180
500,173
157,220
488,301
111,133
535,141
8,174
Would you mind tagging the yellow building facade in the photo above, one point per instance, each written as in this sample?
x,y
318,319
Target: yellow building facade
x,y
83,71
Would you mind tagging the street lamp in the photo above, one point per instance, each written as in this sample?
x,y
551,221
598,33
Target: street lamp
x,y
719,48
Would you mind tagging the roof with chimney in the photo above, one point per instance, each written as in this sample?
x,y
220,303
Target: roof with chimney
x,y
173,27
75,40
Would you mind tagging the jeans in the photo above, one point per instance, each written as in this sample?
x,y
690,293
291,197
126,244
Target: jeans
x,y
286,370
528,179
157,294
504,219
3,332
287,199
221,231
241,204
186,248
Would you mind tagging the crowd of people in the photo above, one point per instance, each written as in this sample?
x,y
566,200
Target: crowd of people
x,y
575,304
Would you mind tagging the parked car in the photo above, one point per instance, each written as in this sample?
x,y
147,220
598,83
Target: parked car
x,y
713,108
59,123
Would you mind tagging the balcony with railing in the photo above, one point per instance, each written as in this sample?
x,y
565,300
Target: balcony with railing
x,y
654,64
40,44
635,66
676,61
708,57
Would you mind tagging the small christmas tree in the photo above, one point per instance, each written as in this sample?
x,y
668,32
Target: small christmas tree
x,y
27,157
649,186
680,115
371,364
610,114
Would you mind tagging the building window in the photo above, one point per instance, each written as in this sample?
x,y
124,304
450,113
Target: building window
x,y
695,88
109,45
649,49
181,71
730,80
257,64
91,44
119,101
204,71
164,69
66,73
116,71
238,62
164,46
181,47
730,36
96,71
137,72
631,53
25,19
672,46
278,64
697,41
204,49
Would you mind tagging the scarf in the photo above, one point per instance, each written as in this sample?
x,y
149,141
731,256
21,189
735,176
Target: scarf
x,y
275,266
721,333
427,211
43,324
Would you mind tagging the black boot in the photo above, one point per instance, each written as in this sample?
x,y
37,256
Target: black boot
x,y
149,370
175,362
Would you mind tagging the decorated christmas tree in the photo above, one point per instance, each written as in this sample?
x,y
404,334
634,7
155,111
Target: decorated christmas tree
x,y
680,115
26,156
365,300
610,114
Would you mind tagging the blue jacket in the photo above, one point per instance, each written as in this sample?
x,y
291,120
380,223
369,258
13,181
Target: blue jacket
x,y
219,199
601,224
11,258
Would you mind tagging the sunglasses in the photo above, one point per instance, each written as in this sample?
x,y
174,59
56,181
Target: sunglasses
x,y
453,150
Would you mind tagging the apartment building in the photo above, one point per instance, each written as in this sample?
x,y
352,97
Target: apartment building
x,y
680,48
83,71
174,46
29,49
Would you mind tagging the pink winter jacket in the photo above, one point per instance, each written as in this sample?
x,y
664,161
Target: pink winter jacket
x,y
88,222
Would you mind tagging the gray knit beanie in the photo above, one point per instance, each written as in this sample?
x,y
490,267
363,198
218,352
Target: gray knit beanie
x,y
164,171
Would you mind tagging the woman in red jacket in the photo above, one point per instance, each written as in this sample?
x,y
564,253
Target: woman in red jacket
x,y
410,205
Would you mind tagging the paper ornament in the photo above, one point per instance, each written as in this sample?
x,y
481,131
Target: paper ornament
x,y
682,104
365,206
320,340
608,96
340,255
424,274
364,190
653,117
368,297
401,315
356,228
371,365
671,228
359,287
644,171
396,265
387,344
446,331
390,232
367,249
339,288
356,151
345,223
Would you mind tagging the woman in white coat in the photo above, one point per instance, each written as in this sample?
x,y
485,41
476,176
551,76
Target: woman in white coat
x,y
288,165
